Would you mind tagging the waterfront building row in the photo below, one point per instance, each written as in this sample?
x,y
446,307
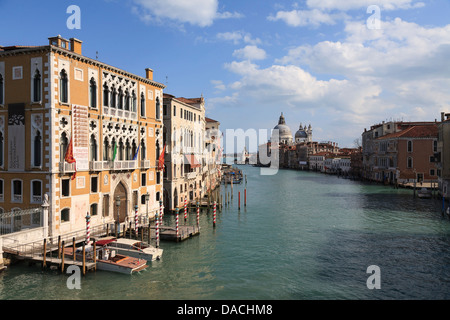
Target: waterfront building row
x,y
86,136
400,152
192,155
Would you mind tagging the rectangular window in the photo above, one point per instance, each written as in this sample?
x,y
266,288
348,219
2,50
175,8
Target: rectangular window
x,y
65,187
164,109
17,191
409,146
435,146
432,173
143,179
36,191
94,184
65,215
1,190
174,109
410,162
105,205
94,209
158,177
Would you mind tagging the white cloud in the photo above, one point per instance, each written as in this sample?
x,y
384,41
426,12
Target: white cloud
x,y
329,12
400,72
358,4
296,18
399,50
237,37
250,52
195,12
218,84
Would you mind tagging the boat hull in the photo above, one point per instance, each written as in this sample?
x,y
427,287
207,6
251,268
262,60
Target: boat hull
x,y
112,267
148,256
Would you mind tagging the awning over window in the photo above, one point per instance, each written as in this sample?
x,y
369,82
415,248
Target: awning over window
x,y
190,158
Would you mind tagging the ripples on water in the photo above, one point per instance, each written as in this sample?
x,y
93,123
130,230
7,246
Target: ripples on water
x,y
302,235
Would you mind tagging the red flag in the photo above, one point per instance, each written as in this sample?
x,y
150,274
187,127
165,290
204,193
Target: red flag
x,y
69,157
161,159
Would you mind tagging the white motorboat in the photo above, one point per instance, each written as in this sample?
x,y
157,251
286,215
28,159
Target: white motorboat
x,y
108,259
135,248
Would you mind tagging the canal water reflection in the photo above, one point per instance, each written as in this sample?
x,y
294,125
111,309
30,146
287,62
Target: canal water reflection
x,y
302,235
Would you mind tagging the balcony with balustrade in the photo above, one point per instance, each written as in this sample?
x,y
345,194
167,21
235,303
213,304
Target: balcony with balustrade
x,y
65,167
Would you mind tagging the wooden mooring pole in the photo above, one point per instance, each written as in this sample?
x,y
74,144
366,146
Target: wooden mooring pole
x,y
239,201
44,254
95,255
245,197
62,257
73,249
59,247
84,258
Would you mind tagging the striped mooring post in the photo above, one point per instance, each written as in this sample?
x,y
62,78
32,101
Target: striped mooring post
x,y
176,223
136,223
157,230
198,215
88,230
185,209
161,212
214,221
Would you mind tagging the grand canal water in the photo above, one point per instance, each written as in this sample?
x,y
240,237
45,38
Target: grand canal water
x,y
302,235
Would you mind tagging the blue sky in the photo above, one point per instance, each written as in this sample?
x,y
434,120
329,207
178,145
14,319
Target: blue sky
x,y
317,61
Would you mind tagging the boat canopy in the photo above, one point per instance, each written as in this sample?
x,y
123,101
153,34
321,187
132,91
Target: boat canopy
x,y
105,242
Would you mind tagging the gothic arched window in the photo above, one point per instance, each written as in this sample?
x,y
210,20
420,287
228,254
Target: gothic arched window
x,y
37,149
63,87
93,93
37,87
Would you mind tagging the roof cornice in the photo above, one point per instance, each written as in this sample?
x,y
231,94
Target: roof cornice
x,y
81,58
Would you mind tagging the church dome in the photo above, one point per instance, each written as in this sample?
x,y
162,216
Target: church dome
x,y
283,130
301,133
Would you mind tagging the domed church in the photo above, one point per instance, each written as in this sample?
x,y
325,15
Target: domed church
x,y
304,134
284,132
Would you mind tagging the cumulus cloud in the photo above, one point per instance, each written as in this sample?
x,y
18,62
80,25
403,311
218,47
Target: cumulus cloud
x,y
195,12
315,17
329,12
358,4
238,37
399,71
250,52
399,50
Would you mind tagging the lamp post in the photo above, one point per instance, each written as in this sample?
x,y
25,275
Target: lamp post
x,y
117,220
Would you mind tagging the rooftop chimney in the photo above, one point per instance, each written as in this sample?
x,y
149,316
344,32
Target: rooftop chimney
x,y
75,45
59,41
149,73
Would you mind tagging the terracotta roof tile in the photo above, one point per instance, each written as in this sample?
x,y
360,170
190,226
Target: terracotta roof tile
x,y
428,131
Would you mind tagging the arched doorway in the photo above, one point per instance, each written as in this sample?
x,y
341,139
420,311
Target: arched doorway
x,y
166,199
191,192
120,192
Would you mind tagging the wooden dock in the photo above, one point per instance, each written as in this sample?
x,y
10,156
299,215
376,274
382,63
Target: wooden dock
x,y
58,262
167,233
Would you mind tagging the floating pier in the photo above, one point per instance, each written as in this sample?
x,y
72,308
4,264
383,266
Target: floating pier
x,y
167,233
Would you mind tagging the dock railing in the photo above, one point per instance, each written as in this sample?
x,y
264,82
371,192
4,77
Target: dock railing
x,y
18,220
36,247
